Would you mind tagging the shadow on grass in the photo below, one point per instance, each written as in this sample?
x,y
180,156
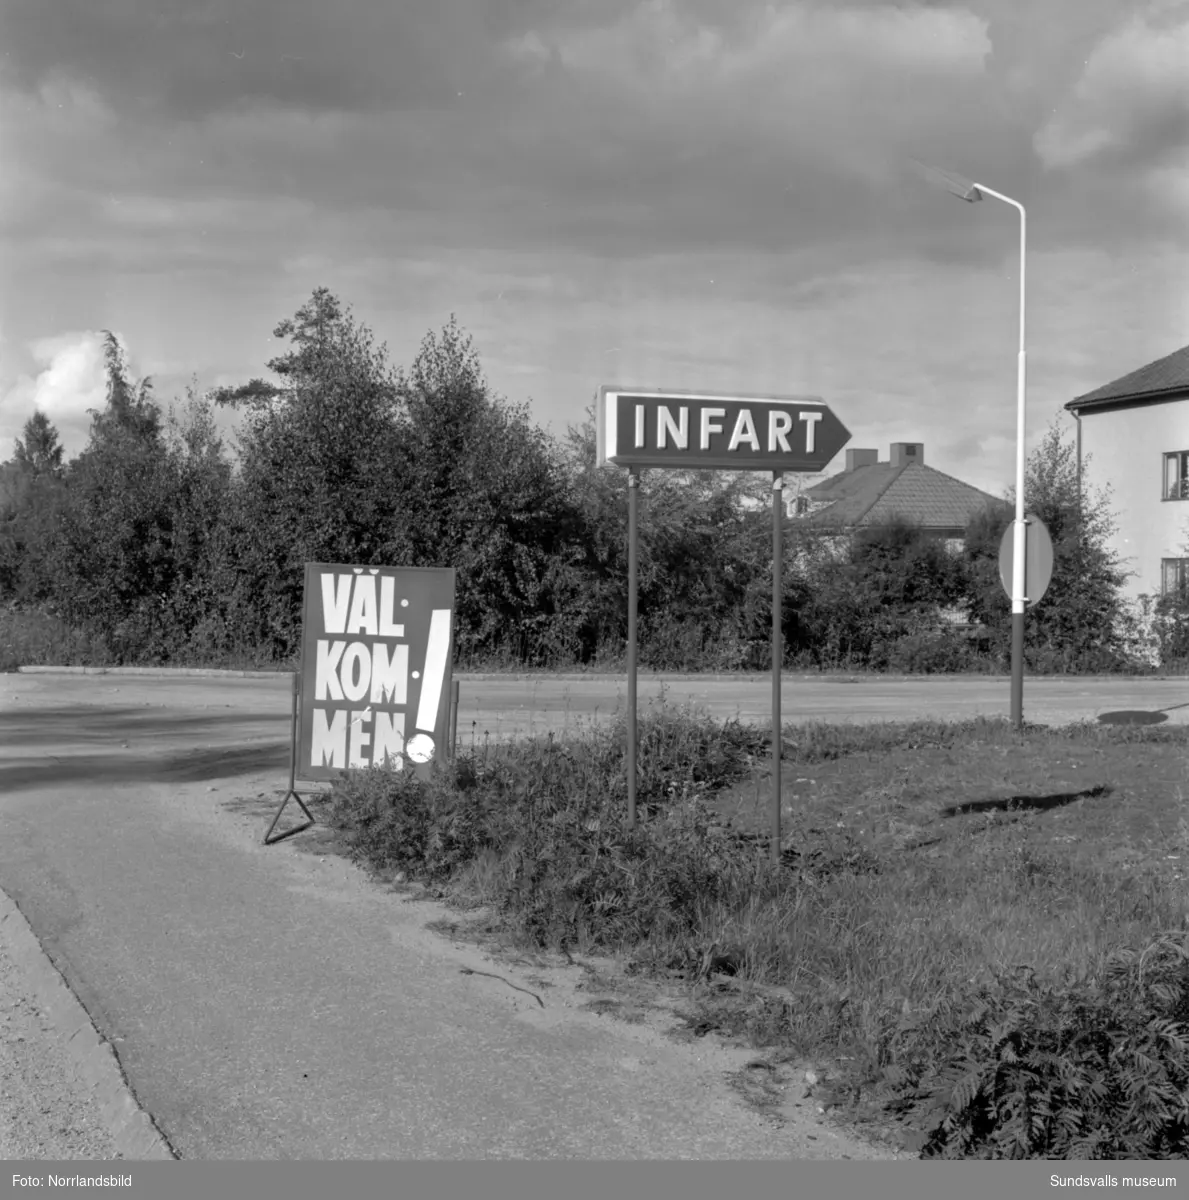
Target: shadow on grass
x,y
1132,716
1025,803
1138,716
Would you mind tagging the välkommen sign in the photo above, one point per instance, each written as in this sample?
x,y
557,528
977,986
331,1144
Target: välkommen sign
x,y
713,430
377,648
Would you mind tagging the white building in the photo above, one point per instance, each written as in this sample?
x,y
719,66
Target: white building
x,y
1137,430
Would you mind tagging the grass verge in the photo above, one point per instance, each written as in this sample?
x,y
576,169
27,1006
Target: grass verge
x,y
977,934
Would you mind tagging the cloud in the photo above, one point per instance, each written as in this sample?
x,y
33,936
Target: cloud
x,y
714,187
187,59
619,127
71,380
1131,101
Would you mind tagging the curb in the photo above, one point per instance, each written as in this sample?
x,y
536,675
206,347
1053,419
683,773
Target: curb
x,y
470,677
212,672
612,676
501,676
135,1135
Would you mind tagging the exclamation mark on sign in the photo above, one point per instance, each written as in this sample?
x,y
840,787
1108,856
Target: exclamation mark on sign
x,y
420,746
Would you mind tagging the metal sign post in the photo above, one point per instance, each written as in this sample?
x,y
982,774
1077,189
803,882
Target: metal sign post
x,y
641,427
454,721
777,649
633,570
1037,560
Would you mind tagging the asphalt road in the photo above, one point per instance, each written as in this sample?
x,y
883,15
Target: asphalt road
x,y
265,1003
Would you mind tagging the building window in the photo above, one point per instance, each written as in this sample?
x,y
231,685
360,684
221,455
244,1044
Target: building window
x,y
1176,475
1174,577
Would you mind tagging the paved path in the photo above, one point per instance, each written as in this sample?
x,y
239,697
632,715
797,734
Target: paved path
x,y
265,1003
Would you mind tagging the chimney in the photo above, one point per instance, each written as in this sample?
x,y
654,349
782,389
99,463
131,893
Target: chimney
x,y
907,452
861,458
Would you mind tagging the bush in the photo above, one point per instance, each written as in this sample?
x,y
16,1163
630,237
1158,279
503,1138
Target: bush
x,y
37,638
933,653
396,820
1069,660
1171,627
552,817
1091,1071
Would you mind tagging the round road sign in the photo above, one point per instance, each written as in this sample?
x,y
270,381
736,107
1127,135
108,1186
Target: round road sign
x,y
1038,559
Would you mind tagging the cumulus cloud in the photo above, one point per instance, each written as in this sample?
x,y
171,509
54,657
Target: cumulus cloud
x,y
70,380
1132,98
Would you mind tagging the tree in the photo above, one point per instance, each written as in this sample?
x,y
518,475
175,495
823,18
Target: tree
x,y
315,332
873,598
39,451
202,574
704,562
130,410
106,562
905,567
256,393
30,490
482,489
318,464
102,553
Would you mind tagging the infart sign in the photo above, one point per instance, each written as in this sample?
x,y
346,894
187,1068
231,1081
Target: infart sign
x,y
639,427
711,430
377,648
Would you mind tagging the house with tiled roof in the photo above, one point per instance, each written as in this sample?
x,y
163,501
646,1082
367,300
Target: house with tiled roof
x,y
868,493
1136,428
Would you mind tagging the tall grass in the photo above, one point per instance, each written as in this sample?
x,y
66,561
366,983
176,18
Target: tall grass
x,y
843,953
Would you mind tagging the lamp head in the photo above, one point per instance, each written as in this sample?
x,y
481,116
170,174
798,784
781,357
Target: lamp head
x,y
957,185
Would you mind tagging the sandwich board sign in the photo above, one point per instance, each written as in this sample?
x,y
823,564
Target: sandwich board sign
x,y
376,653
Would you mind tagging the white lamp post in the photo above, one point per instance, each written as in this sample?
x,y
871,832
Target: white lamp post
x,y
971,192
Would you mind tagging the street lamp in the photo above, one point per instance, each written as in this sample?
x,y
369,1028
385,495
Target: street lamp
x,y
967,190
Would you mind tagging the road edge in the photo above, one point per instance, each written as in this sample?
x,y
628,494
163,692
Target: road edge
x,y
789,676
132,1130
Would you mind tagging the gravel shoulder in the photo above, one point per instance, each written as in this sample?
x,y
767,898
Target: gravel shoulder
x,y
63,1095
47,1110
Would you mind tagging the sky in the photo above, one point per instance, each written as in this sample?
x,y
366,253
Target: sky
x,y
702,194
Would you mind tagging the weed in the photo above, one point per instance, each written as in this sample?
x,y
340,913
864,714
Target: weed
x,y
925,865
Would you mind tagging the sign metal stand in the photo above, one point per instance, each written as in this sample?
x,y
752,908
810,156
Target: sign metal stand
x,y
291,794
